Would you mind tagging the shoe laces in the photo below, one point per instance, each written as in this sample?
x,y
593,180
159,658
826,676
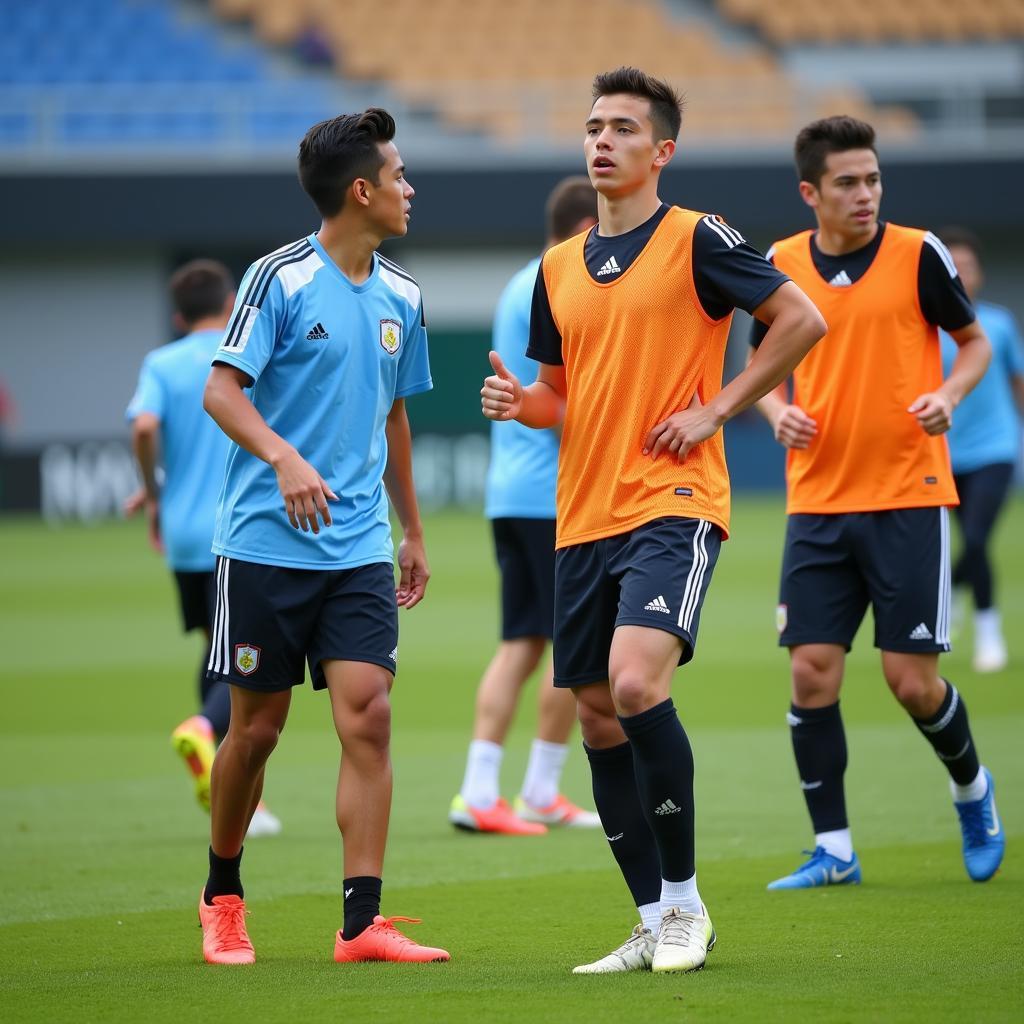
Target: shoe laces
x,y
972,822
388,924
231,932
677,928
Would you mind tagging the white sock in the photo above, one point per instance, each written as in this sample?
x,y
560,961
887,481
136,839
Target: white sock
x,y
683,895
988,627
839,843
480,783
543,773
972,791
650,917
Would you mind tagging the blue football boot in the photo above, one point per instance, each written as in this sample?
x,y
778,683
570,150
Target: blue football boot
x,y
821,869
984,838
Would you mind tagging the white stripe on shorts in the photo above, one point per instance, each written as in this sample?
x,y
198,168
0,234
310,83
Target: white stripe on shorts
x,y
214,663
695,577
944,596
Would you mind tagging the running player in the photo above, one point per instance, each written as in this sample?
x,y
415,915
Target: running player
x,y
630,323
869,486
984,446
520,503
169,426
331,338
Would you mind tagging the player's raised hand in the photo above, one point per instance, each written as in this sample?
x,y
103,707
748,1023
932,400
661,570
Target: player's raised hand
x,y
678,434
305,493
413,572
501,397
794,428
934,411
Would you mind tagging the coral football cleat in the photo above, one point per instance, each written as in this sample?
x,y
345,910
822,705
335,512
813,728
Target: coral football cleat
x,y
383,941
498,818
560,812
225,940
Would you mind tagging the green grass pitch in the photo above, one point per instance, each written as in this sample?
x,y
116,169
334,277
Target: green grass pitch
x,y
102,851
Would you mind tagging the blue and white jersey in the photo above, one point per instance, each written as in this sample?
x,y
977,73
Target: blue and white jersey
x,y
193,448
328,359
524,462
986,425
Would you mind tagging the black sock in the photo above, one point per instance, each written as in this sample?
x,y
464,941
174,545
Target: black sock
x,y
663,762
362,904
224,879
949,733
625,827
819,746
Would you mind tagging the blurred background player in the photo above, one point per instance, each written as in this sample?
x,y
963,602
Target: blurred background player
x,y
520,502
629,325
869,486
984,446
170,430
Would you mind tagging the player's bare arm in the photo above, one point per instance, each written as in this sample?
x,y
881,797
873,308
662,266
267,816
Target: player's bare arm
x,y
414,572
792,427
794,326
540,404
146,447
934,409
305,492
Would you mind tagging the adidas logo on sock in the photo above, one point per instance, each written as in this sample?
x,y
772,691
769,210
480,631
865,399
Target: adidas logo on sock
x,y
610,267
318,333
667,808
920,632
658,605
841,279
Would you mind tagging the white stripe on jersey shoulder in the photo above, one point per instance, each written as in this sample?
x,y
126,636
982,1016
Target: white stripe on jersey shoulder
x,y
399,281
770,254
728,234
294,276
944,254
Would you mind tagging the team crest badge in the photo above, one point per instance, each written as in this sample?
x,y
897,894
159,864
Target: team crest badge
x,y
390,336
781,617
247,658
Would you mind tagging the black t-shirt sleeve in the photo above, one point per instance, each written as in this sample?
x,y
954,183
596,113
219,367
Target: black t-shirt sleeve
x,y
758,330
545,340
940,291
729,273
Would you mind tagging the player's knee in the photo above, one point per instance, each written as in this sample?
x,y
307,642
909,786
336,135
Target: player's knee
x,y
257,737
920,692
370,725
815,678
634,691
597,719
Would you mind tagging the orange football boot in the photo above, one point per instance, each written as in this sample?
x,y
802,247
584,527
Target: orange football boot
x,y
499,818
194,743
225,940
383,941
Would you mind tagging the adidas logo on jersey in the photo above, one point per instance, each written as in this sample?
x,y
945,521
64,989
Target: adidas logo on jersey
x,y
920,632
841,280
657,605
319,333
667,808
610,267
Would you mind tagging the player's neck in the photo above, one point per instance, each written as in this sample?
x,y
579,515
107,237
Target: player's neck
x,y
832,242
207,323
619,214
350,245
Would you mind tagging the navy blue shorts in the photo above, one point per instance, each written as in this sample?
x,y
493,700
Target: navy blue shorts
x,y
835,566
525,551
271,621
656,575
197,595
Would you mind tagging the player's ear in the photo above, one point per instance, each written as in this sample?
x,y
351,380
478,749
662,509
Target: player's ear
x,y
665,150
361,191
809,194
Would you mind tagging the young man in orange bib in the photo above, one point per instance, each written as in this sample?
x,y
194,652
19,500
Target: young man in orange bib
x,y
629,323
869,488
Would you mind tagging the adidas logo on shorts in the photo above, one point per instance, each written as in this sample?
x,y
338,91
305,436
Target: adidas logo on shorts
x,y
668,807
920,632
658,605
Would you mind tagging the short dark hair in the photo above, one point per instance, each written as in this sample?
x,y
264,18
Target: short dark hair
x,y
335,152
200,288
666,103
573,199
963,237
829,135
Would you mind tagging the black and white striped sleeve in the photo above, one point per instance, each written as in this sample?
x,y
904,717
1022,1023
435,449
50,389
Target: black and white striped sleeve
x,y
728,272
940,291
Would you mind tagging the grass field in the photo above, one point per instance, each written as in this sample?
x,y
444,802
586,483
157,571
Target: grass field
x,y
103,852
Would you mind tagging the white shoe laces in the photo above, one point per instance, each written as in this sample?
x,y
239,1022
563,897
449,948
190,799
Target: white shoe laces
x,y
678,928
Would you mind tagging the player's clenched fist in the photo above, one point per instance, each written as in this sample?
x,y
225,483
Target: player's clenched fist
x,y
794,428
934,411
501,397
305,492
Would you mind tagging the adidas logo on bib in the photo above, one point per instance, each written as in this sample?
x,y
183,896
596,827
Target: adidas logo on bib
x,y
658,605
610,267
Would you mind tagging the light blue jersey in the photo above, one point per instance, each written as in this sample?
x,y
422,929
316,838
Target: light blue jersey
x,y
524,462
328,358
193,447
986,425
